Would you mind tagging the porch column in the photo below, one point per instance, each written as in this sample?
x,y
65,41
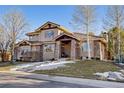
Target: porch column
x,y
73,49
100,49
57,50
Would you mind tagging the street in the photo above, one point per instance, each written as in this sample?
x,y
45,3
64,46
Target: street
x,y
14,81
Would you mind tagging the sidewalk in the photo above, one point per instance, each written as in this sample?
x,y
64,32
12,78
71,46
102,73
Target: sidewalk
x,y
88,82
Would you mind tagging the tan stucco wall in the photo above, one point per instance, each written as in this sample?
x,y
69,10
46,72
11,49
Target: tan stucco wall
x,y
34,38
42,35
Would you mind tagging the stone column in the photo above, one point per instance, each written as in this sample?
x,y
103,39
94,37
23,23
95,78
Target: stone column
x,y
73,49
100,49
57,50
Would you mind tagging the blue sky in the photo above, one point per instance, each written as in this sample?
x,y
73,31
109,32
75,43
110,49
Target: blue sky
x,y
37,15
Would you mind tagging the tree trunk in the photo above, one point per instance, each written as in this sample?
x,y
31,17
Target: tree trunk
x,y
2,56
88,45
13,48
119,52
13,53
12,56
88,42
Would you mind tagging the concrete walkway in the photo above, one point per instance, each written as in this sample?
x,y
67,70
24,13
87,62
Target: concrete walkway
x,y
79,81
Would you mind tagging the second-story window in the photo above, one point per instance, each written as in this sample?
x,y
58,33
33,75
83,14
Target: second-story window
x,y
49,34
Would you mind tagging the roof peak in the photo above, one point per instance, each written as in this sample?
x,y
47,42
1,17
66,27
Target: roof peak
x,y
47,23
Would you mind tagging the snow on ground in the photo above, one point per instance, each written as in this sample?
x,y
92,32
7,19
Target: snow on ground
x,y
122,64
114,76
47,65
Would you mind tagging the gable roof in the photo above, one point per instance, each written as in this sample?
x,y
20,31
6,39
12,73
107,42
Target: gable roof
x,y
45,24
83,37
26,42
40,29
22,42
71,36
86,34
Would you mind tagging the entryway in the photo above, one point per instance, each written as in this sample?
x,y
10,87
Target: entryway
x,y
66,49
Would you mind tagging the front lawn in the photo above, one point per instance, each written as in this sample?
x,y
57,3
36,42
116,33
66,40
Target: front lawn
x,y
83,69
6,66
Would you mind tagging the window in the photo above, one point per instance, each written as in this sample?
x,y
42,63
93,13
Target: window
x,y
49,34
24,51
85,47
49,48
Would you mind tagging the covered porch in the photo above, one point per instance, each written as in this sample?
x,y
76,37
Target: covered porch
x,y
67,47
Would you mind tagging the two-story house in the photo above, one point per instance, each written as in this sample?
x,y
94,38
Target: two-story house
x,y
52,41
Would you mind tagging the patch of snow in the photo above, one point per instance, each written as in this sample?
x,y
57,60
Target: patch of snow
x,y
105,74
116,75
122,71
111,76
122,64
47,65
113,79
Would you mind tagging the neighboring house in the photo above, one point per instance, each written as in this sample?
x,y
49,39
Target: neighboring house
x,y
52,41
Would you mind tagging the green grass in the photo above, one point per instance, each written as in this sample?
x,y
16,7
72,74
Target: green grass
x,y
83,69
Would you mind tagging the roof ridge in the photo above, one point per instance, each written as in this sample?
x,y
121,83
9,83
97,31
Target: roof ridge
x,y
86,34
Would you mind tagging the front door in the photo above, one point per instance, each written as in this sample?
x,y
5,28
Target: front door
x,y
65,49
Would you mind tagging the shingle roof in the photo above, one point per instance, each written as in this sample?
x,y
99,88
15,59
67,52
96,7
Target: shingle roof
x,y
72,36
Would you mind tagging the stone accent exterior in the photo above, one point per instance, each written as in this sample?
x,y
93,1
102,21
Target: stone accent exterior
x,y
73,49
49,55
72,43
57,50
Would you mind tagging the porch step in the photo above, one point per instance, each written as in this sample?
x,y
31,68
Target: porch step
x,y
63,59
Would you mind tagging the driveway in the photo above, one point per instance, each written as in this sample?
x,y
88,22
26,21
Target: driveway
x,y
9,80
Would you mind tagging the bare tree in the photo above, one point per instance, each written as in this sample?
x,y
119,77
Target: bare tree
x,y
115,18
14,24
4,43
84,17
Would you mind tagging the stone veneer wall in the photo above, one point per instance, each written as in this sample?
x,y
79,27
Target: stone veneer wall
x,y
57,50
73,49
48,55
